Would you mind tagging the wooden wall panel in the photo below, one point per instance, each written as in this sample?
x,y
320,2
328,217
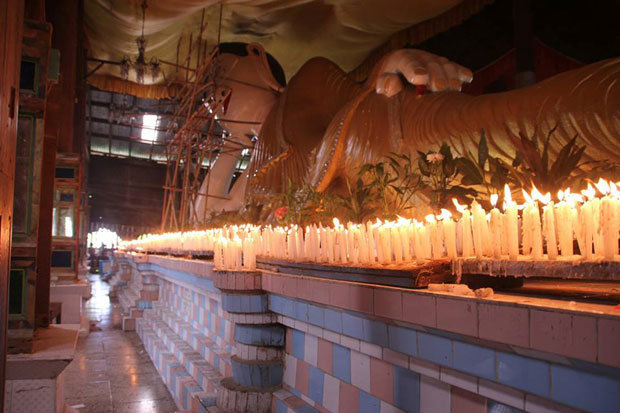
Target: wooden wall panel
x,y
11,24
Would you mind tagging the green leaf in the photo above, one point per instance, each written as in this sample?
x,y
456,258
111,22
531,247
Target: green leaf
x,y
483,150
423,166
471,174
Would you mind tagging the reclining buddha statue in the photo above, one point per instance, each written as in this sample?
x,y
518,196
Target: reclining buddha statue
x,y
323,126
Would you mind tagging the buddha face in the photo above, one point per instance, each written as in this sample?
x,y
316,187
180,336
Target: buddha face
x,y
246,90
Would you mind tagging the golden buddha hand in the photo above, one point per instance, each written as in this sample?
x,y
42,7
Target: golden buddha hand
x,y
419,68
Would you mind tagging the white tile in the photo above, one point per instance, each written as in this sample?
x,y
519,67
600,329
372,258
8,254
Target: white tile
x,y
434,396
311,346
535,404
370,349
352,343
331,393
424,368
315,331
502,394
290,370
388,408
331,336
360,371
301,326
459,379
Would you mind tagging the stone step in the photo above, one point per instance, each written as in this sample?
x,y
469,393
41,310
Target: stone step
x,y
183,387
211,350
285,401
194,363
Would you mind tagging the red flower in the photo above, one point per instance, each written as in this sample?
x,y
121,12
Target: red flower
x,y
280,212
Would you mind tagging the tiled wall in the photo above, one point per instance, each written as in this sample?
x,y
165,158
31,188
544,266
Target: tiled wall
x,y
330,348
360,348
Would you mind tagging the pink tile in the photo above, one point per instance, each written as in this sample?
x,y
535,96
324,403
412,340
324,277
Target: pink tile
x,y
258,278
348,399
565,334
361,299
294,402
608,339
325,356
339,294
248,282
265,280
504,324
239,282
304,289
463,401
303,376
289,341
320,291
290,286
382,380
457,315
388,303
419,309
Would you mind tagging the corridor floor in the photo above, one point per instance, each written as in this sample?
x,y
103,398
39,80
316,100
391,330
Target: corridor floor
x,y
111,371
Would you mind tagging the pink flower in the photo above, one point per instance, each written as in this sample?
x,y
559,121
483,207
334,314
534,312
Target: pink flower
x,y
280,212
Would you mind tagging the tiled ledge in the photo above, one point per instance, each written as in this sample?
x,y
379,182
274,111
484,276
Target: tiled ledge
x,y
582,331
587,332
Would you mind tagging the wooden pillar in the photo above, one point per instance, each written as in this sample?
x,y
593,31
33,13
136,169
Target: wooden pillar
x,y
524,43
44,240
11,26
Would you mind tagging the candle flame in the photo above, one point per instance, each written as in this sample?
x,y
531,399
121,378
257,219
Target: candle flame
x,y
459,207
494,198
507,195
613,189
560,195
602,186
528,198
445,214
430,218
589,193
336,222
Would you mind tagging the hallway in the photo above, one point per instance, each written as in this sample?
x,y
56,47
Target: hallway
x,y
111,371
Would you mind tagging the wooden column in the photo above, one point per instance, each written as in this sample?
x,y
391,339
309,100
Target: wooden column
x,y
11,26
44,240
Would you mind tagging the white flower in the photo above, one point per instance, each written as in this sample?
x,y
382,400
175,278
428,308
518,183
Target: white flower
x,y
434,157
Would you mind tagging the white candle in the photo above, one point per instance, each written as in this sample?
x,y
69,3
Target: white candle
x,y
449,233
512,224
479,219
549,227
496,228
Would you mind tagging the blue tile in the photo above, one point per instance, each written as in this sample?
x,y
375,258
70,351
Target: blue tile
x,y
276,303
280,406
288,308
376,332
523,373
316,315
474,360
435,349
315,385
406,389
306,409
584,390
342,363
333,320
403,340
301,311
352,326
497,407
298,344
368,403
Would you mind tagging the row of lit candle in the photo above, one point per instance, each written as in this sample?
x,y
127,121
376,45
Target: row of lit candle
x,y
594,221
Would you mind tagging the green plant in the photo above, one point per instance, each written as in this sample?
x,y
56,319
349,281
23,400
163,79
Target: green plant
x,y
391,183
303,205
360,200
487,173
532,164
441,172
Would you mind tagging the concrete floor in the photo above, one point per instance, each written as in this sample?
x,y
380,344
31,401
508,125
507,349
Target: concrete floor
x,y
111,371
